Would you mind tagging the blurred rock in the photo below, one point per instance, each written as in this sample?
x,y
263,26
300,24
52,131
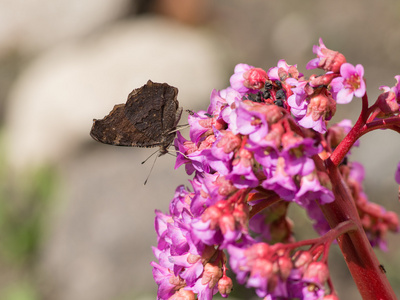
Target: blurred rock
x,y
36,24
52,104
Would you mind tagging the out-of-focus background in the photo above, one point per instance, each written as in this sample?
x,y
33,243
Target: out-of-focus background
x,y
76,221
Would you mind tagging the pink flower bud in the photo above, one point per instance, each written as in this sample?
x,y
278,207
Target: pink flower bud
x,y
302,259
212,213
322,105
227,223
325,80
177,281
258,250
225,187
293,72
282,74
255,78
331,60
317,272
261,268
229,141
387,103
225,286
285,267
211,275
183,295
273,114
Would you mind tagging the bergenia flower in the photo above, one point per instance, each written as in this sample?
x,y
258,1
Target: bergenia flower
x,y
350,84
258,148
327,59
389,100
283,70
237,79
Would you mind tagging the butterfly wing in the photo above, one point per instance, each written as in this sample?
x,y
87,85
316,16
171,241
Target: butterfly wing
x,y
148,119
115,129
152,108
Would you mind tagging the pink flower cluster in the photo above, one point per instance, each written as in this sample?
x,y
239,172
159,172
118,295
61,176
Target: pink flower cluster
x,y
253,152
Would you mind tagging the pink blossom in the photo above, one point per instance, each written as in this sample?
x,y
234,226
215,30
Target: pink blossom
x,y
237,79
283,70
350,84
327,59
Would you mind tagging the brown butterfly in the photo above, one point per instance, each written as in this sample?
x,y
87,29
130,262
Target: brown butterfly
x,y
147,119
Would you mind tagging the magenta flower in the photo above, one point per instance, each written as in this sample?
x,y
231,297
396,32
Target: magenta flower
x,y
327,59
283,69
251,120
311,189
281,183
350,84
237,79
395,89
389,100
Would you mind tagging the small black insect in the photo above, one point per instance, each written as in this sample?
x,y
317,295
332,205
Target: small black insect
x,y
382,268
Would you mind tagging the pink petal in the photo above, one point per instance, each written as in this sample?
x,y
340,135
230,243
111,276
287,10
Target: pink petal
x,y
347,69
344,96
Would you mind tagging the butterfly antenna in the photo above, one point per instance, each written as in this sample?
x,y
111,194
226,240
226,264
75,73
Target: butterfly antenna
x,y
150,156
148,176
179,127
177,152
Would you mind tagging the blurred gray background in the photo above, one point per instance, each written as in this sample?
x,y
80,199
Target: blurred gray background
x,y
76,221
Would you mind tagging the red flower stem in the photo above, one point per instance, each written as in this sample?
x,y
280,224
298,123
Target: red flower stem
x,y
364,110
359,129
355,246
344,146
324,240
389,123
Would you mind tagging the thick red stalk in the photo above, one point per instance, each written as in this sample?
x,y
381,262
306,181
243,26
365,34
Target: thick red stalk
x,y
355,246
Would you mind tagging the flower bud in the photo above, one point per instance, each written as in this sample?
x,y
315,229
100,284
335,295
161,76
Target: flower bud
x,y
258,250
225,286
227,223
211,275
324,80
273,114
302,259
387,103
212,213
193,258
293,72
183,295
317,272
229,141
261,268
321,105
255,78
225,186
331,60
285,267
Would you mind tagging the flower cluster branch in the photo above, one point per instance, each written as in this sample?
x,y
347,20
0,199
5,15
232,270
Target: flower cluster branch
x,y
265,143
